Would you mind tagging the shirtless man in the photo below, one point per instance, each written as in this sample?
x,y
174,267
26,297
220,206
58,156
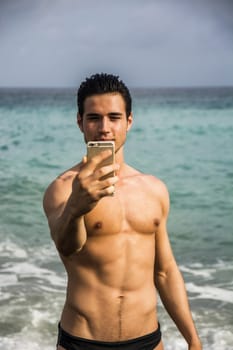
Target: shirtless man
x,y
112,239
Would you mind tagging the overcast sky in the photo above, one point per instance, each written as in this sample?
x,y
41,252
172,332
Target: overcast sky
x,y
146,42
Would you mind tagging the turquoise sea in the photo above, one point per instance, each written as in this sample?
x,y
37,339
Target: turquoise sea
x,y
184,137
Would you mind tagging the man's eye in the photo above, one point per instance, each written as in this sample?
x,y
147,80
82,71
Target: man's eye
x,y
93,117
115,117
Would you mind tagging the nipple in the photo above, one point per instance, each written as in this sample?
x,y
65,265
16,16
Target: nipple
x,y
98,225
156,222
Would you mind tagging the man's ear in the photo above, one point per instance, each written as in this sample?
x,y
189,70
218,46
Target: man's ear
x,y
129,121
80,122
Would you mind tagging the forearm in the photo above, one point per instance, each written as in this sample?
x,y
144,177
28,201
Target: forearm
x,y
174,297
69,232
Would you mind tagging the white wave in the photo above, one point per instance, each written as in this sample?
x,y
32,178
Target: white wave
x,y
210,292
23,270
12,250
223,265
8,280
38,316
45,253
206,273
23,342
4,296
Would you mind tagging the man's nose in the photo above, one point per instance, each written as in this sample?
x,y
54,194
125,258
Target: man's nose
x,y
104,125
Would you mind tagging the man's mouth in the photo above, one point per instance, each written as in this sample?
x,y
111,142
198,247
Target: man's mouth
x,y
104,139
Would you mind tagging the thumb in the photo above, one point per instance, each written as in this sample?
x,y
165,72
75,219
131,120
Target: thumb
x,y
84,160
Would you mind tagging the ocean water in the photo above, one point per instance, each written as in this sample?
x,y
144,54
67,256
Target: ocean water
x,y
184,137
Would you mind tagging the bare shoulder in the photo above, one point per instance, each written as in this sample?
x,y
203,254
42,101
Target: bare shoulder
x,y
59,190
154,183
153,187
159,190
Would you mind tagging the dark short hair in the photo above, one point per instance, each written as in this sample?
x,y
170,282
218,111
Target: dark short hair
x,y
101,84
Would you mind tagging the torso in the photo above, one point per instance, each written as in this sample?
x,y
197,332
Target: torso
x,y
111,294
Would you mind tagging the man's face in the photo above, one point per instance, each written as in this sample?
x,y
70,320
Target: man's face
x,y
104,119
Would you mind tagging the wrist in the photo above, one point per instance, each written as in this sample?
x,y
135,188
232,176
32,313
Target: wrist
x,y
72,209
195,344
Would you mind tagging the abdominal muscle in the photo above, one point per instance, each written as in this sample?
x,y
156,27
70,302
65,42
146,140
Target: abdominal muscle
x,y
111,294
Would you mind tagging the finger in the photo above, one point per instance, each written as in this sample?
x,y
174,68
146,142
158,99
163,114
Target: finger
x,y
93,163
105,171
84,160
111,181
108,191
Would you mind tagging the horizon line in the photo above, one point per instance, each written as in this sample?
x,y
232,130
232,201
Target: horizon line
x,y
130,87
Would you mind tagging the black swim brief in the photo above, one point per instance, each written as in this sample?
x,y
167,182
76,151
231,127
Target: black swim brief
x,y
70,342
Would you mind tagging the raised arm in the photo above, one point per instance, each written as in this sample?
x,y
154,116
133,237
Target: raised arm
x,y
71,196
67,229
170,283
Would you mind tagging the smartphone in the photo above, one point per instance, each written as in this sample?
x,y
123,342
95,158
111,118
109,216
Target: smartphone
x,y
96,147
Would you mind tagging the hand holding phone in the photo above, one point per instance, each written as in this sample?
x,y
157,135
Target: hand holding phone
x,y
96,147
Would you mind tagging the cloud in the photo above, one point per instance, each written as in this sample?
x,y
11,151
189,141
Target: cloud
x,y
157,43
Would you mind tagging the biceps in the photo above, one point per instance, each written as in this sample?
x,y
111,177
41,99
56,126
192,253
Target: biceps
x,y
53,216
164,258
